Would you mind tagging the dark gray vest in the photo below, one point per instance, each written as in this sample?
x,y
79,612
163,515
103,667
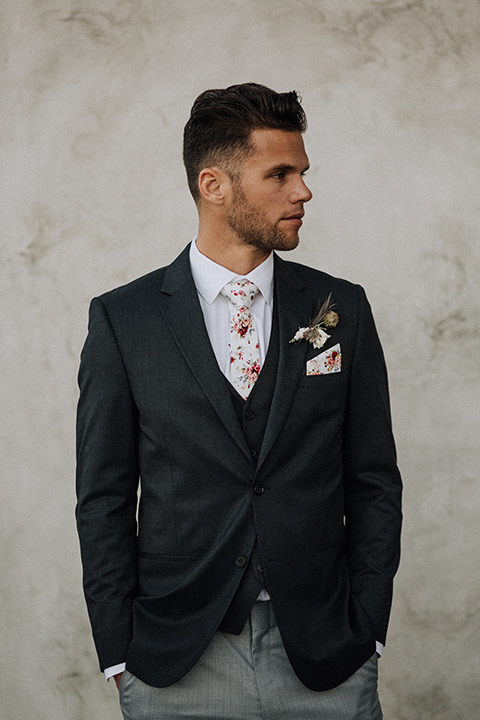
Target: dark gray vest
x,y
253,415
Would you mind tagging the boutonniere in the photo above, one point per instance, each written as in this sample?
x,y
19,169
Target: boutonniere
x,y
325,317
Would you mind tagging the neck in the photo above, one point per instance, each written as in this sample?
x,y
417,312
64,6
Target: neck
x,y
230,251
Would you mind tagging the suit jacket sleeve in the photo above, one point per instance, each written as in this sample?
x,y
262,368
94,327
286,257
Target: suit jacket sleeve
x,y
107,482
372,480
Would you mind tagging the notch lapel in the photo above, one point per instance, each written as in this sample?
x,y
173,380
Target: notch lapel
x,y
183,315
294,308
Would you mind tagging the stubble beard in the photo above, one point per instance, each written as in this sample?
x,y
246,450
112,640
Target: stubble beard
x,y
253,228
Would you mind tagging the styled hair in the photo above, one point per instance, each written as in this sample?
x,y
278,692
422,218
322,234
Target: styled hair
x,y
221,121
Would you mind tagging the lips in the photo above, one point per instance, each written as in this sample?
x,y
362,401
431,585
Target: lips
x,y
295,219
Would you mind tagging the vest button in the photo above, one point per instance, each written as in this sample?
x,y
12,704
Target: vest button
x,y
249,415
241,561
258,489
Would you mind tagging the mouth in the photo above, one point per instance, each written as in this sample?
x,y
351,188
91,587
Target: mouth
x,y
295,219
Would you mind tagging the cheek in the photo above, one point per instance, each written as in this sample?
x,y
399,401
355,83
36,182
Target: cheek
x,y
270,206
264,211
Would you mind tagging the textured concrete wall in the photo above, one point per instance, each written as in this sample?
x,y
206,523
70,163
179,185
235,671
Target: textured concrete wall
x,y
94,95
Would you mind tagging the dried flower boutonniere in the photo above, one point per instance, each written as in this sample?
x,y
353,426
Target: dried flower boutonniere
x,y
325,317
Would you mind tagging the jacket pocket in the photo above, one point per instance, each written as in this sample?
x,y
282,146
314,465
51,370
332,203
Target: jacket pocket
x,y
165,558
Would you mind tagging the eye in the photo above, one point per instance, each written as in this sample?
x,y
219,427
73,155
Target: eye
x,y
278,175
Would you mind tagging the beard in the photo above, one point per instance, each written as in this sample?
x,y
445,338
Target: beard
x,y
253,227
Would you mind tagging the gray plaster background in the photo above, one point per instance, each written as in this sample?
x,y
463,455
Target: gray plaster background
x,y
94,95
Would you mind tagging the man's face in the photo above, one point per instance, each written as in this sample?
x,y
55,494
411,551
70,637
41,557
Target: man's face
x,y
267,202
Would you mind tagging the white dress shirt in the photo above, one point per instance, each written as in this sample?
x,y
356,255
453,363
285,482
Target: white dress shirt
x,y
210,278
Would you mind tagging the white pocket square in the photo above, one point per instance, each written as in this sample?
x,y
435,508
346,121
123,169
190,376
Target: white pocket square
x,y
329,361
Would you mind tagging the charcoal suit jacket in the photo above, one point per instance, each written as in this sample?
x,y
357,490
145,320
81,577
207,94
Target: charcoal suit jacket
x,y
323,497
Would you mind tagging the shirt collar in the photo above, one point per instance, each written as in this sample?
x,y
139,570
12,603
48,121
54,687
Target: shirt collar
x,y
210,277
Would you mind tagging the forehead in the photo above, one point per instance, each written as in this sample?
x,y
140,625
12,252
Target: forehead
x,y
277,148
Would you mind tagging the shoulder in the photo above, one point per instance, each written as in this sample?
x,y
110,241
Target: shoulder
x,y
134,290
316,280
153,286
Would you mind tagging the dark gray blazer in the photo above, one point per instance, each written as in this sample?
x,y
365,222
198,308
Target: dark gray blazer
x,y
154,405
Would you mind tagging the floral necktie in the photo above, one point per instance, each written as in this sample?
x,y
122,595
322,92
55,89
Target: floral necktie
x,y
244,352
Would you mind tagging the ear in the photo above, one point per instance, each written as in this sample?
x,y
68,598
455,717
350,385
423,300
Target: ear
x,y
213,185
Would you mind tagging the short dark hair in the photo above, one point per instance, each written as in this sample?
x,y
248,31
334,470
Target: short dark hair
x,y
221,121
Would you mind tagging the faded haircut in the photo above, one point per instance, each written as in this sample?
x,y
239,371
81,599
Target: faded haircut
x,y
221,121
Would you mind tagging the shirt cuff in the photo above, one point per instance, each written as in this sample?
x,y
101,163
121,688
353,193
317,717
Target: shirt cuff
x,y
379,648
114,670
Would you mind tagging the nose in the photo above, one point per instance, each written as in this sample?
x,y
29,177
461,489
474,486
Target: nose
x,y
301,192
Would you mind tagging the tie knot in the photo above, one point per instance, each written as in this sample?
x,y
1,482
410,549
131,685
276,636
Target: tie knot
x,y
240,293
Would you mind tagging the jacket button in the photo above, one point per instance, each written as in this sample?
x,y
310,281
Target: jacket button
x,y
258,489
241,561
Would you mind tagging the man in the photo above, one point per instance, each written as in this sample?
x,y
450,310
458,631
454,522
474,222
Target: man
x,y
256,579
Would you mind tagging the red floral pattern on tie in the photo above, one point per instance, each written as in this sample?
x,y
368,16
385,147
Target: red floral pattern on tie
x,y
243,345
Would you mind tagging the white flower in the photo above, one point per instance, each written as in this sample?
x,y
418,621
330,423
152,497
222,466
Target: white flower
x,y
299,335
320,338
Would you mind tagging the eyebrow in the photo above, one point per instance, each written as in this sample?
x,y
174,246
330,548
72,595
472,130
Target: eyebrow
x,y
279,168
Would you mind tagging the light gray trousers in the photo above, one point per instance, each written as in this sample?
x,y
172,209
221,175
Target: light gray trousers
x,y
249,677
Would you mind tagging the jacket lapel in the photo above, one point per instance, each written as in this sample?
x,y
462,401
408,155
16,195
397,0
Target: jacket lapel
x,y
181,310
183,315
294,307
